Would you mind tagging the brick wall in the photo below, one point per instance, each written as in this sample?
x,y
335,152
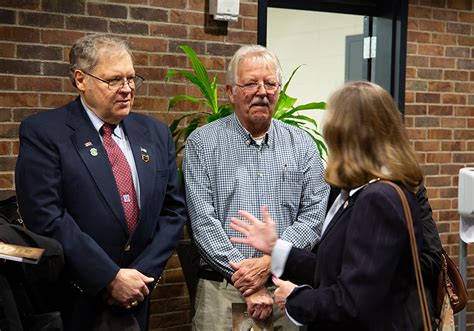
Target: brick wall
x,y
440,107
35,36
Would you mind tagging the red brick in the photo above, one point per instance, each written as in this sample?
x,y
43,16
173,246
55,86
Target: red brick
x,y
19,114
39,52
440,134
169,30
5,148
417,133
201,33
22,4
420,12
410,72
432,26
453,99
69,7
18,99
440,110
409,97
430,169
456,75
148,44
458,28
433,3
412,48
5,115
248,9
427,145
463,111
465,41
6,181
437,157
127,27
107,10
9,130
451,146
55,100
442,62
415,110
418,37
60,37
464,87
13,33
178,4
466,64
7,50
168,60
429,73
242,37
430,50
198,47
149,14
444,39
463,134
86,23
427,97
8,82
186,17
451,122
46,20
441,86
445,15
463,157
39,84
458,52
249,24
150,104
460,4
467,17
413,24
449,169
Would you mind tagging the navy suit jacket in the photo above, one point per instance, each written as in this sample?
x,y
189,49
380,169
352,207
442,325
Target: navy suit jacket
x,y
67,191
363,273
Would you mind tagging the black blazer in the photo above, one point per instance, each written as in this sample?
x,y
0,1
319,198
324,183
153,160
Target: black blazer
x,y
363,272
67,191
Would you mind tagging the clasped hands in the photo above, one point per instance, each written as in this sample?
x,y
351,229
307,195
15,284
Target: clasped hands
x,y
128,288
251,274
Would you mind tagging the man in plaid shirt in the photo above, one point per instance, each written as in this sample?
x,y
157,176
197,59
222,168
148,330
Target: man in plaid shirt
x,y
241,162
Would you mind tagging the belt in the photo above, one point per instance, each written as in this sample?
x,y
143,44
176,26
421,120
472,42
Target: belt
x,y
210,275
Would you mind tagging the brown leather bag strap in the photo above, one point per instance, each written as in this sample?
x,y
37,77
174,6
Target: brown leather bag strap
x,y
416,261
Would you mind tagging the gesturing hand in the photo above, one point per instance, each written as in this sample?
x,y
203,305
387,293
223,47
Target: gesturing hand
x,y
259,235
284,288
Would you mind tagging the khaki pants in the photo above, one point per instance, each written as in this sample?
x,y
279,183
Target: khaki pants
x,y
214,308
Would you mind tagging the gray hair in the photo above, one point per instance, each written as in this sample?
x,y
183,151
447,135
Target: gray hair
x,y
253,52
86,50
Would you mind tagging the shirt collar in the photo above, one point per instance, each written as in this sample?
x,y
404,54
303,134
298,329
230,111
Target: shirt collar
x,y
246,134
97,122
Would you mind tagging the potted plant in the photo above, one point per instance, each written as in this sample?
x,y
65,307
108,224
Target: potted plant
x,y
285,109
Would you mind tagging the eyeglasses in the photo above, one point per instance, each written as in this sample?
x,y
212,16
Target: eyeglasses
x,y
253,87
117,83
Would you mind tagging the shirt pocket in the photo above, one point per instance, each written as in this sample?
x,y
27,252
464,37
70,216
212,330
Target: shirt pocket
x,y
291,186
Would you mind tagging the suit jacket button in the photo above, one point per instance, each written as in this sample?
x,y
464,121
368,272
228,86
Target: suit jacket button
x,y
127,248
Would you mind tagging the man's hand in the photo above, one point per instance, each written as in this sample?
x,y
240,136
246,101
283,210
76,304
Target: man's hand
x,y
260,304
128,288
284,288
251,274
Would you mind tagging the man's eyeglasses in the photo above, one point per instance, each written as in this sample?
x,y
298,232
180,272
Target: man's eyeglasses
x,y
117,83
253,87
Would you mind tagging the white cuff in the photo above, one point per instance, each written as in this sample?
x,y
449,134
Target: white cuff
x,y
280,253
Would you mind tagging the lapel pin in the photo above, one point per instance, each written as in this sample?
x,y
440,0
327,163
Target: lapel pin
x,y
88,144
93,151
145,158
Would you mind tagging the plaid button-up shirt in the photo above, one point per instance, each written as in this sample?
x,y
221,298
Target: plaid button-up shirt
x,y
226,171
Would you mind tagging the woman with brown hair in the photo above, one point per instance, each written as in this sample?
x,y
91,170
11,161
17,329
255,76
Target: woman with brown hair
x,y
362,274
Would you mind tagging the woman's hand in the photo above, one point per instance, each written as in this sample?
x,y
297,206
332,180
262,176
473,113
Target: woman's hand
x,y
284,288
259,235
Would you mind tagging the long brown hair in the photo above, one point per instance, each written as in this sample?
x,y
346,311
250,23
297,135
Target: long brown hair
x,y
366,139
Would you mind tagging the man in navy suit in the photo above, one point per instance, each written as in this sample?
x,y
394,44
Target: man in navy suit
x,y
69,188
